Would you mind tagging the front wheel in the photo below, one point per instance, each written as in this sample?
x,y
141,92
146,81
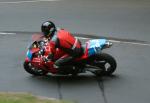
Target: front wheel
x,y
106,62
34,71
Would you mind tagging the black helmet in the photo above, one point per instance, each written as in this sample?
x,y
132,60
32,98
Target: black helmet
x,y
48,29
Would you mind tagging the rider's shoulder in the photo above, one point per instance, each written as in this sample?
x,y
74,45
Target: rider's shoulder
x,y
62,30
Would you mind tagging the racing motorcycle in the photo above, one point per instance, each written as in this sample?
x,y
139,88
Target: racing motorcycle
x,y
92,60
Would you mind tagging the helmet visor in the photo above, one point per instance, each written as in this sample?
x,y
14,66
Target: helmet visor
x,y
45,30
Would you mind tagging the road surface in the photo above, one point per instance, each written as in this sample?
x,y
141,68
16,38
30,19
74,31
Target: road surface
x,y
125,22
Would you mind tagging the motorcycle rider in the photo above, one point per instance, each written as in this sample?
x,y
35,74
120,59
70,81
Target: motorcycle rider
x,y
64,40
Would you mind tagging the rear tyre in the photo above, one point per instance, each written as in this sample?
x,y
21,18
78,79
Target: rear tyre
x,y
34,71
105,62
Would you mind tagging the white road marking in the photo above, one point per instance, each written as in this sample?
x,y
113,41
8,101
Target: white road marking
x,y
83,38
3,33
30,1
117,41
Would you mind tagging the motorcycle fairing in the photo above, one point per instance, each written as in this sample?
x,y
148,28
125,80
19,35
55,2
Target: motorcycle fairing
x,y
95,46
29,54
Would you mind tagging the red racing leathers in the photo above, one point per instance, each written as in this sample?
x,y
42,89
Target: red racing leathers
x,y
65,41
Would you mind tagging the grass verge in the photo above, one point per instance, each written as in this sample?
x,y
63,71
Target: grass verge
x,y
26,98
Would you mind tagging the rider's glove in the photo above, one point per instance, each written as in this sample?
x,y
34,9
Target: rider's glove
x,y
45,59
48,58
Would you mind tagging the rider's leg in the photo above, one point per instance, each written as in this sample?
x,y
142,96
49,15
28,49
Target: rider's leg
x,y
64,62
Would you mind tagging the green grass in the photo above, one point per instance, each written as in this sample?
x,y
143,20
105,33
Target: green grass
x,y
26,98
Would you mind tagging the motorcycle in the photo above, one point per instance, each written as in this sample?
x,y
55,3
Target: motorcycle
x,y
92,60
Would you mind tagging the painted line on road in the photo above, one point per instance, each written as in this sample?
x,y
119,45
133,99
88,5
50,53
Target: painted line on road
x,y
117,41
3,33
31,1
129,42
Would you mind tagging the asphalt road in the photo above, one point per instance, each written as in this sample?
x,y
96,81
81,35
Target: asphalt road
x,y
120,19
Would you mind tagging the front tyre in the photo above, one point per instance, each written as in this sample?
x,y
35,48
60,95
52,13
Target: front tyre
x,y
34,71
106,62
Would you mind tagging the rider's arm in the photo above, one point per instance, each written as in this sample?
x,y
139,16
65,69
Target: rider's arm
x,y
53,43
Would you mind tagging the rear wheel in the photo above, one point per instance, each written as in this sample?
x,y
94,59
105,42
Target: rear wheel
x,y
105,62
34,71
